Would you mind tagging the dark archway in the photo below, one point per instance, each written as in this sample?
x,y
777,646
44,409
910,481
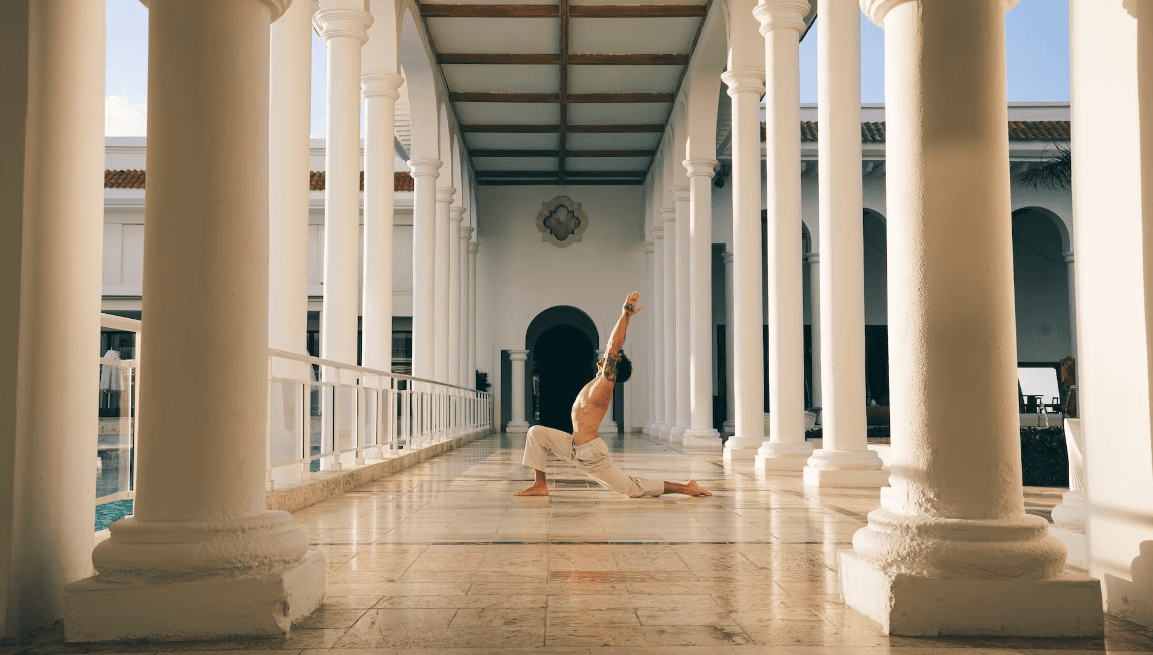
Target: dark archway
x,y
1041,286
563,363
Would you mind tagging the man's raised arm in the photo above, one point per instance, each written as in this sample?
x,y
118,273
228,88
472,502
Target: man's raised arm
x,y
617,338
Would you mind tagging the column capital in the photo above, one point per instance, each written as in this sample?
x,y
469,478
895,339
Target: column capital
x,y
668,214
1067,256
700,167
680,193
650,247
343,21
876,10
380,83
473,246
466,232
445,193
744,80
425,167
455,213
781,15
727,256
518,355
813,257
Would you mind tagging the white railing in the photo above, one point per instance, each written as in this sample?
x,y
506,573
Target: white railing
x,y
116,436
352,416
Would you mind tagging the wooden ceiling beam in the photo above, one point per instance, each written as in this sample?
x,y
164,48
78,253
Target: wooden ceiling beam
x,y
512,129
626,128
612,153
489,11
614,174
620,97
505,97
556,181
507,58
514,153
639,11
567,153
628,60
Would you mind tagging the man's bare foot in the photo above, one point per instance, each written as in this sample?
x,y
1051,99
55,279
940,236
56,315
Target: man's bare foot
x,y
694,489
538,489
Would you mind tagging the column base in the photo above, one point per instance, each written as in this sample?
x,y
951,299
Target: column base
x,y
728,428
266,603
516,427
702,441
608,427
845,468
741,449
1076,546
783,456
1067,605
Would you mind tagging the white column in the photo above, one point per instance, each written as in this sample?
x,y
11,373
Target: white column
x,y
380,92
657,304
839,315
467,375
608,425
952,551
455,343
814,261
441,331
1071,269
424,175
517,423
730,424
57,267
1069,516
215,562
746,85
473,246
670,321
701,435
650,250
683,310
290,112
781,24
344,30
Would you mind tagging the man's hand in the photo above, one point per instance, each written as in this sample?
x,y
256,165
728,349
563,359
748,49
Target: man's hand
x,y
631,307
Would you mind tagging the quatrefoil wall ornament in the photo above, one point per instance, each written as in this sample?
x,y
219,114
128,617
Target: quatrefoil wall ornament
x,y
561,221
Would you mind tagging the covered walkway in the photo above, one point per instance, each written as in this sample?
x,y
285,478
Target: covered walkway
x,y
441,556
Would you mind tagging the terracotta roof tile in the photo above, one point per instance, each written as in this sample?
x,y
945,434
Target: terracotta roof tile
x,y
134,179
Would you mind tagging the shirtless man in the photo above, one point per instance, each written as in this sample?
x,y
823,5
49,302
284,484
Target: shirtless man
x,y
584,448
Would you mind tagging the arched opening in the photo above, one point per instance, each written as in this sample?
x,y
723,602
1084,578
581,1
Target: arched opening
x,y
562,343
876,315
1041,286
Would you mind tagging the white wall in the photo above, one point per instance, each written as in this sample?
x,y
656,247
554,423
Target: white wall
x,y
1111,330
519,275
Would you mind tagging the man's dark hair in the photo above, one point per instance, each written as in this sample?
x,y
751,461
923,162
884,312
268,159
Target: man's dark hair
x,y
624,369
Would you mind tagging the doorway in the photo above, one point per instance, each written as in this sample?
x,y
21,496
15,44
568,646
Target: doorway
x,y
562,364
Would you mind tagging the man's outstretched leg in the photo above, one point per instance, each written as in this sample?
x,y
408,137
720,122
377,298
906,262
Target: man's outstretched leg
x,y
690,489
539,488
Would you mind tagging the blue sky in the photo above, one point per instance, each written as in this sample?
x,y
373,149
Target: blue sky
x,y
1037,45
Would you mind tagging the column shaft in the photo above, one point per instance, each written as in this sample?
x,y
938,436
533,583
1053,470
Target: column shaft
x,y
467,378
839,287
781,25
441,331
657,304
424,174
701,434
954,528
730,425
683,313
517,422
473,246
814,263
214,562
380,91
670,322
58,263
745,87
1070,271
455,343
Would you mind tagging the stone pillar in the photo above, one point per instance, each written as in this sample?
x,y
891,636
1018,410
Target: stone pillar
x,y
729,427
746,85
424,175
473,246
288,164
951,550
212,563
682,353
814,261
701,435
669,305
455,343
56,220
1070,269
657,305
839,276
650,249
441,330
781,25
467,376
517,423
344,31
380,92
1069,516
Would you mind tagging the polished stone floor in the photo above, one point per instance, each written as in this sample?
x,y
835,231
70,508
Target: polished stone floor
x,y
441,558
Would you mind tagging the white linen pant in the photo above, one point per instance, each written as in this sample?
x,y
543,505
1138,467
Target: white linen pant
x,y
591,458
